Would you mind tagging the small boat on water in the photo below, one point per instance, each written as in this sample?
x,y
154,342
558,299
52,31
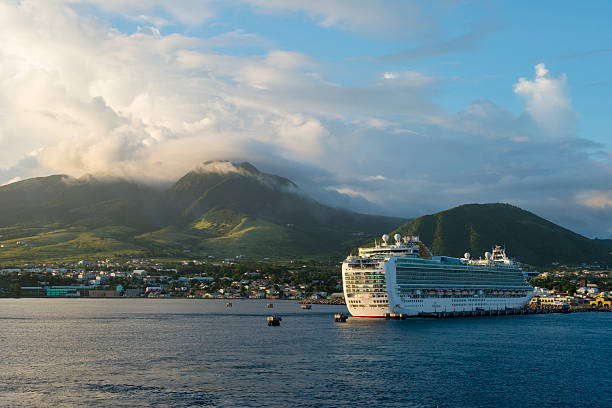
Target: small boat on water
x,y
274,320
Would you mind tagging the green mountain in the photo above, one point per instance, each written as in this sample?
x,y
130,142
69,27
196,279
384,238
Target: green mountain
x,y
244,210
475,228
87,201
224,209
220,209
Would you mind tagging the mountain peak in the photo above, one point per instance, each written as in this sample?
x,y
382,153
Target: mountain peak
x,y
227,167
216,168
248,167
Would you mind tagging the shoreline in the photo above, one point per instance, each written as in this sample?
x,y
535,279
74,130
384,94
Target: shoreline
x,y
299,301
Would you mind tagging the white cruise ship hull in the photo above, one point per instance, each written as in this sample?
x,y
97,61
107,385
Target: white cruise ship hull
x,y
414,307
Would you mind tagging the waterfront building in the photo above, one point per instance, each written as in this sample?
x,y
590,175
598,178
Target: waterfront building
x,y
601,300
103,293
32,291
130,292
56,291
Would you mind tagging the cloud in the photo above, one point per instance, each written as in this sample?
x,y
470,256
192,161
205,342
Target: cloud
x,y
352,192
596,199
187,12
467,41
583,54
408,78
79,96
25,168
547,101
378,177
221,167
379,17
387,18
13,180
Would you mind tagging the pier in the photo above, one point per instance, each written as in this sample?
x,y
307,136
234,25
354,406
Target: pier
x,y
476,313
509,312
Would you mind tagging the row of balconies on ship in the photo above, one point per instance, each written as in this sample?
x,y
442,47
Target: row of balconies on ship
x,y
367,272
464,292
366,280
466,284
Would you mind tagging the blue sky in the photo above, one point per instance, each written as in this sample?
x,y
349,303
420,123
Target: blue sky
x,y
392,107
504,41
509,39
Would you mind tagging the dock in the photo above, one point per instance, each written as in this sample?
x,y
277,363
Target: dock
x,y
510,311
476,313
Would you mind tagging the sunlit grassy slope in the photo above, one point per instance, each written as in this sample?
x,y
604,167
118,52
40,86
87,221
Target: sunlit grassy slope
x,y
21,245
242,212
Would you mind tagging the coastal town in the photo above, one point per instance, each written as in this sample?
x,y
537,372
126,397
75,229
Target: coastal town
x,y
564,287
226,279
236,278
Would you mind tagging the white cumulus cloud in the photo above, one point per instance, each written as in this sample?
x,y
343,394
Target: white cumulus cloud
x,y
548,101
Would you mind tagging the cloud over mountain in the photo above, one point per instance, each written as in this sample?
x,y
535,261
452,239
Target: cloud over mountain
x,y
80,95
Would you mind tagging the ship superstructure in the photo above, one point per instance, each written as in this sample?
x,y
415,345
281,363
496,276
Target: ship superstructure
x,y
404,277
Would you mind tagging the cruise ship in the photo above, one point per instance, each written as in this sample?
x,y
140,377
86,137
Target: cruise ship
x,y
404,277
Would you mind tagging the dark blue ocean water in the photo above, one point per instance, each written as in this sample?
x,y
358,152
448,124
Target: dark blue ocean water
x,y
183,353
